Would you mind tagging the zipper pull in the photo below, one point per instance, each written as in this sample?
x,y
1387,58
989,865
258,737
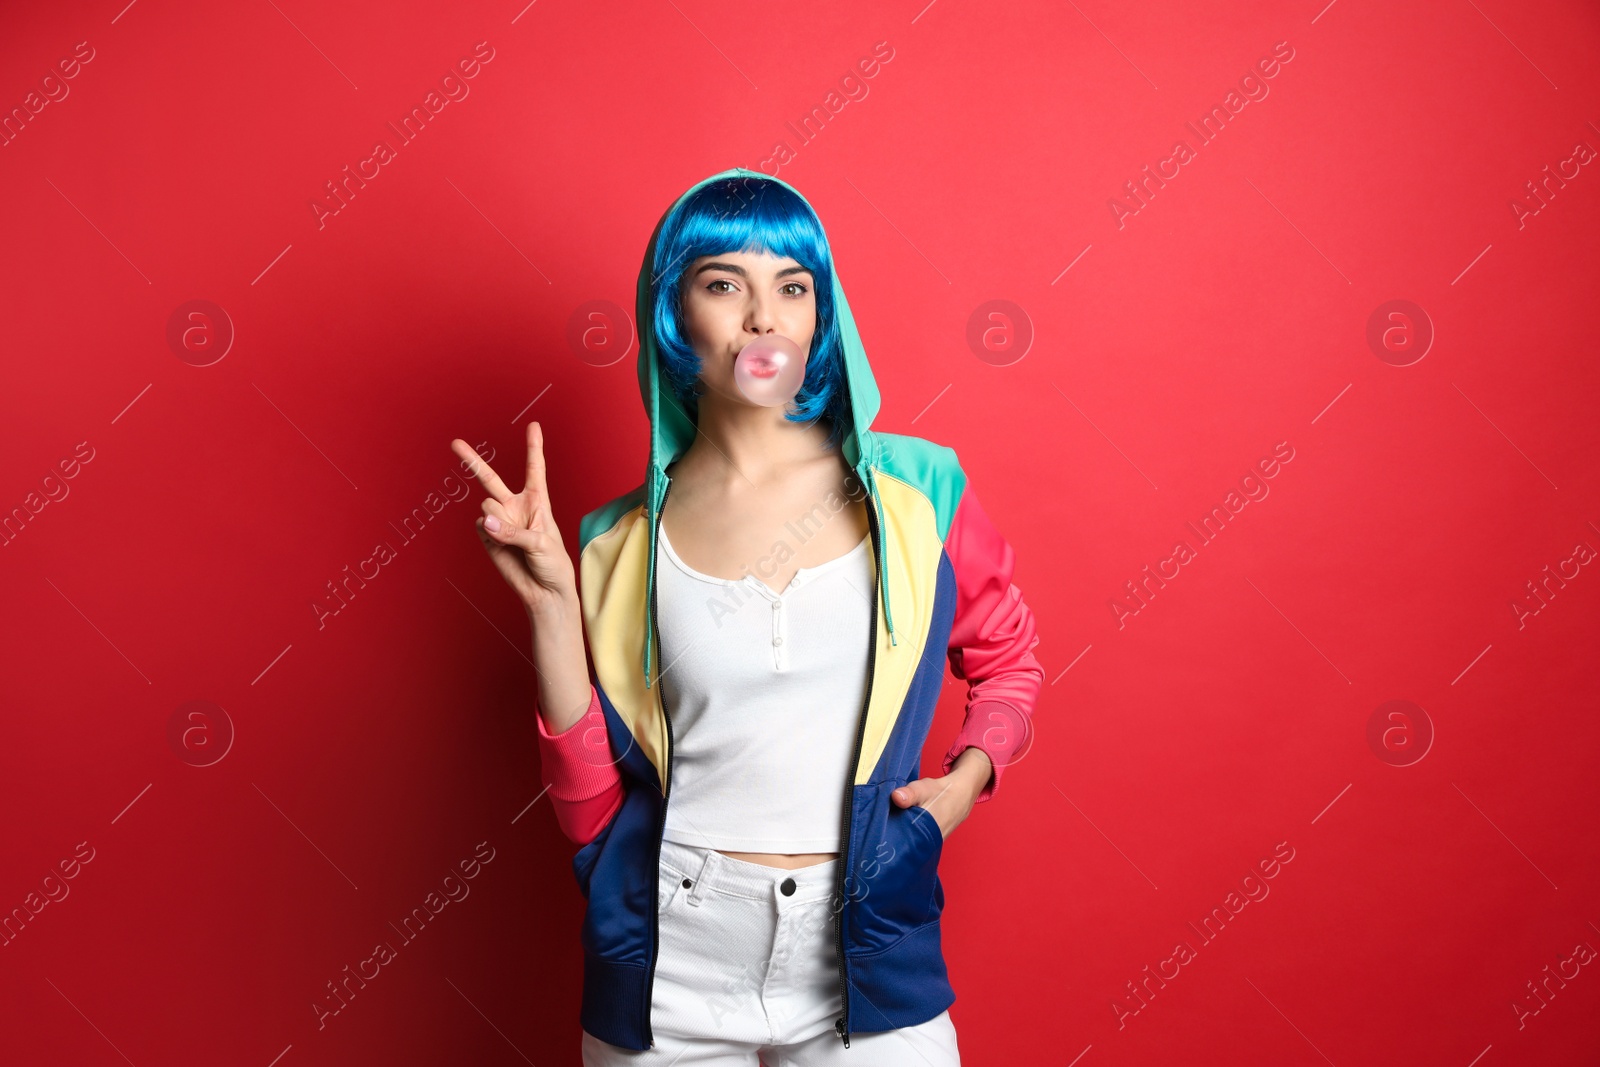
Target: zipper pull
x,y
838,1027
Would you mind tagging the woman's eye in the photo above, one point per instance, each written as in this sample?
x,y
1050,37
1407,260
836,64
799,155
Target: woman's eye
x,y
791,288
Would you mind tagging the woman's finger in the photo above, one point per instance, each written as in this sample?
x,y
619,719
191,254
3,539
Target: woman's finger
x,y
512,511
508,561
532,541
534,479
521,514
538,536
482,471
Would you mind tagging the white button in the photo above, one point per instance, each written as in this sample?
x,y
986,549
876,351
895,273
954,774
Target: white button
x,y
777,640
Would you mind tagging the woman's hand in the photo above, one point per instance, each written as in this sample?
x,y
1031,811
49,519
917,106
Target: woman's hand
x,y
949,799
519,532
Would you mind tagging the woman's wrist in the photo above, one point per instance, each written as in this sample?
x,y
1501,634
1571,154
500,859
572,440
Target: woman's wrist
x,y
554,608
558,657
974,768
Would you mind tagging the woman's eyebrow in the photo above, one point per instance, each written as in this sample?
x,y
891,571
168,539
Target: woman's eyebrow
x,y
734,268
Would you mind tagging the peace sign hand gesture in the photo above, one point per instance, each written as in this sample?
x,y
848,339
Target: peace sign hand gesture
x,y
519,532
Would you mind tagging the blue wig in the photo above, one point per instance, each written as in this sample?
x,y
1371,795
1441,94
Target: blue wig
x,y
749,214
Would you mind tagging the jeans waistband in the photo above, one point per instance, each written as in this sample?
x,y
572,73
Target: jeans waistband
x,y
709,869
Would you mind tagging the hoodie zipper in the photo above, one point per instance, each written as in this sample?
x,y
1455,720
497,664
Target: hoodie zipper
x,y
842,1025
655,894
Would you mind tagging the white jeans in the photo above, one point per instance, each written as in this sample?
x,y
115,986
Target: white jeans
x,y
747,974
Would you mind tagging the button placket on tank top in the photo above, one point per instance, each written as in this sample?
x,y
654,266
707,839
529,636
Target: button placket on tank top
x,y
780,618
780,627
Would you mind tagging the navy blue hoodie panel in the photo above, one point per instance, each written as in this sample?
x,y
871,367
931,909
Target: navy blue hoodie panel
x,y
617,873
893,885
630,758
894,872
612,994
904,986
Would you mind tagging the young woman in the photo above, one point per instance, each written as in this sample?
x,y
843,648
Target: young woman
x,y
759,853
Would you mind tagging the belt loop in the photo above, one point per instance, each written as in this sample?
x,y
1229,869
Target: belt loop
x,y
699,887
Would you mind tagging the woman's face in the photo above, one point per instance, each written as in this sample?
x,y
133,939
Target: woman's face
x,y
731,298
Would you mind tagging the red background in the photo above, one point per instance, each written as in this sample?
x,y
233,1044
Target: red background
x,y
1176,747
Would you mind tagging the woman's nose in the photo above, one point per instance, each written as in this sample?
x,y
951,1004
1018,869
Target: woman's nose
x,y
761,318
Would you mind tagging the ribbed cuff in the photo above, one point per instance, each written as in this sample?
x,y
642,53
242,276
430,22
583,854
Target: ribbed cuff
x,y
577,761
997,728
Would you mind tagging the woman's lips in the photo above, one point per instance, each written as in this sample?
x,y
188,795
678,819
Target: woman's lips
x,y
763,367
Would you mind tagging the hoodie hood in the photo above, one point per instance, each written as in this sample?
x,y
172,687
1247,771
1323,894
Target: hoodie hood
x,y
672,430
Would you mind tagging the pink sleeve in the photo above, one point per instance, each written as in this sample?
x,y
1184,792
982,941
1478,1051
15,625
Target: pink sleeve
x,y
584,783
991,643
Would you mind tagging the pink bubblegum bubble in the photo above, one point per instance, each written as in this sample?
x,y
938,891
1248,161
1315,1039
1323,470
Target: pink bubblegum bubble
x,y
770,370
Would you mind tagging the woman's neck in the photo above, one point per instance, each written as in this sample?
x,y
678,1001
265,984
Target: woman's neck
x,y
749,444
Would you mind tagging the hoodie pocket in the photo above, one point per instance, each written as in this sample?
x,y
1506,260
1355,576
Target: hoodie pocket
x,y
893,885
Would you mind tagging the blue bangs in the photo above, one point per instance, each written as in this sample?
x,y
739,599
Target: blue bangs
x,y
749,214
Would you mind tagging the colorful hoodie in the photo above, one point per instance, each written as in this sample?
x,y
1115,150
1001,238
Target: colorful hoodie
x,y
943,584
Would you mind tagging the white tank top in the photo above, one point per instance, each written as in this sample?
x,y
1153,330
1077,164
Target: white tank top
x,y
765,693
